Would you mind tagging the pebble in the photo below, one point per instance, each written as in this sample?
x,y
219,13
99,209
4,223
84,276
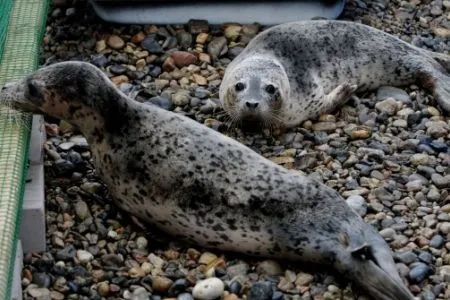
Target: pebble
x,y
208,289
437,242
441,181
185,296
115,42
42,280
181,98
207,258
269,267
324,126
82,210
183,58
217,47
260,291
419,272
387,233
140,293
388,106
152,46
358,204
398,94
39,293
406,257
84,256
161,284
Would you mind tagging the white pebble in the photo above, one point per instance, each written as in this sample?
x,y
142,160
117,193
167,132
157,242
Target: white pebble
x,y
358,204
112,234
208,289
84,256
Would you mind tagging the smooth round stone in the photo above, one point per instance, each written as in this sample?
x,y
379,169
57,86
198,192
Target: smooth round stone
x,y
152,46
426,257
277,295
161,101
419,272
406,257
393,92
39,293
178,287
99,60
185,296
42,280
66,146
235,287
260,291
358,204
82,210
208,289
428,295
387,233
140,293
118,69
84,256
437,241
269,267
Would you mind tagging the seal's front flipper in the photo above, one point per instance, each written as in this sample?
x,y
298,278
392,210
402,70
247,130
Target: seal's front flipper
x,y
339,96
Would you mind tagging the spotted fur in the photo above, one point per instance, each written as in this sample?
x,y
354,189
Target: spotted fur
x,y
312,62
203,187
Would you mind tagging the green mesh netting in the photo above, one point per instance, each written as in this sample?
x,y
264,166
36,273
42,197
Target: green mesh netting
x,y
5,10
21,35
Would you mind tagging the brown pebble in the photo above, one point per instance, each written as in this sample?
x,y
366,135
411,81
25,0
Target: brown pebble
x,y
231,297
204,57
113,288
119,79
51,129
138,37
115,42
161,284
171,254
200,80
169,65
100,46
183,58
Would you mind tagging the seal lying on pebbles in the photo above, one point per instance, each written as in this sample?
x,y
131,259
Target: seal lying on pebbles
x,y
203,187
297,71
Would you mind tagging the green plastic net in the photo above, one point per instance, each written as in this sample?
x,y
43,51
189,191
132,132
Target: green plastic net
x,y
21,36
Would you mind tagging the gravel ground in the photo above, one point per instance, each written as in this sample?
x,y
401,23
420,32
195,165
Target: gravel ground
x,y
386,152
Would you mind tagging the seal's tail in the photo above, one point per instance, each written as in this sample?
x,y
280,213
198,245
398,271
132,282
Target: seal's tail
x,y
373,269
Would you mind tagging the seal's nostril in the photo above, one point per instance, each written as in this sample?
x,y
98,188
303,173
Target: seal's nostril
x,y
252,105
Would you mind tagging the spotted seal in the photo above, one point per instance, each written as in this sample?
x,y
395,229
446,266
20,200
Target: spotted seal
x,y
297,71
204,187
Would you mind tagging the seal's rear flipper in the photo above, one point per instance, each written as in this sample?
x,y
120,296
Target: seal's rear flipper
x,y
371,266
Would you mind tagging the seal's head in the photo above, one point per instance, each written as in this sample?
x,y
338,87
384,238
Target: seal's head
x,y
73,91
59,89
255,89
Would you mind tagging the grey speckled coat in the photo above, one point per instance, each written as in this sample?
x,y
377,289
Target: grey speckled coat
x,y
315,66
203,187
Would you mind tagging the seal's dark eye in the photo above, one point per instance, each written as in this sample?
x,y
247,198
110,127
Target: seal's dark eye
x,y
270,89
239,86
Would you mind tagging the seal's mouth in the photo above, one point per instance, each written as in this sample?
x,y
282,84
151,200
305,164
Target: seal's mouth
x,y
12,96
